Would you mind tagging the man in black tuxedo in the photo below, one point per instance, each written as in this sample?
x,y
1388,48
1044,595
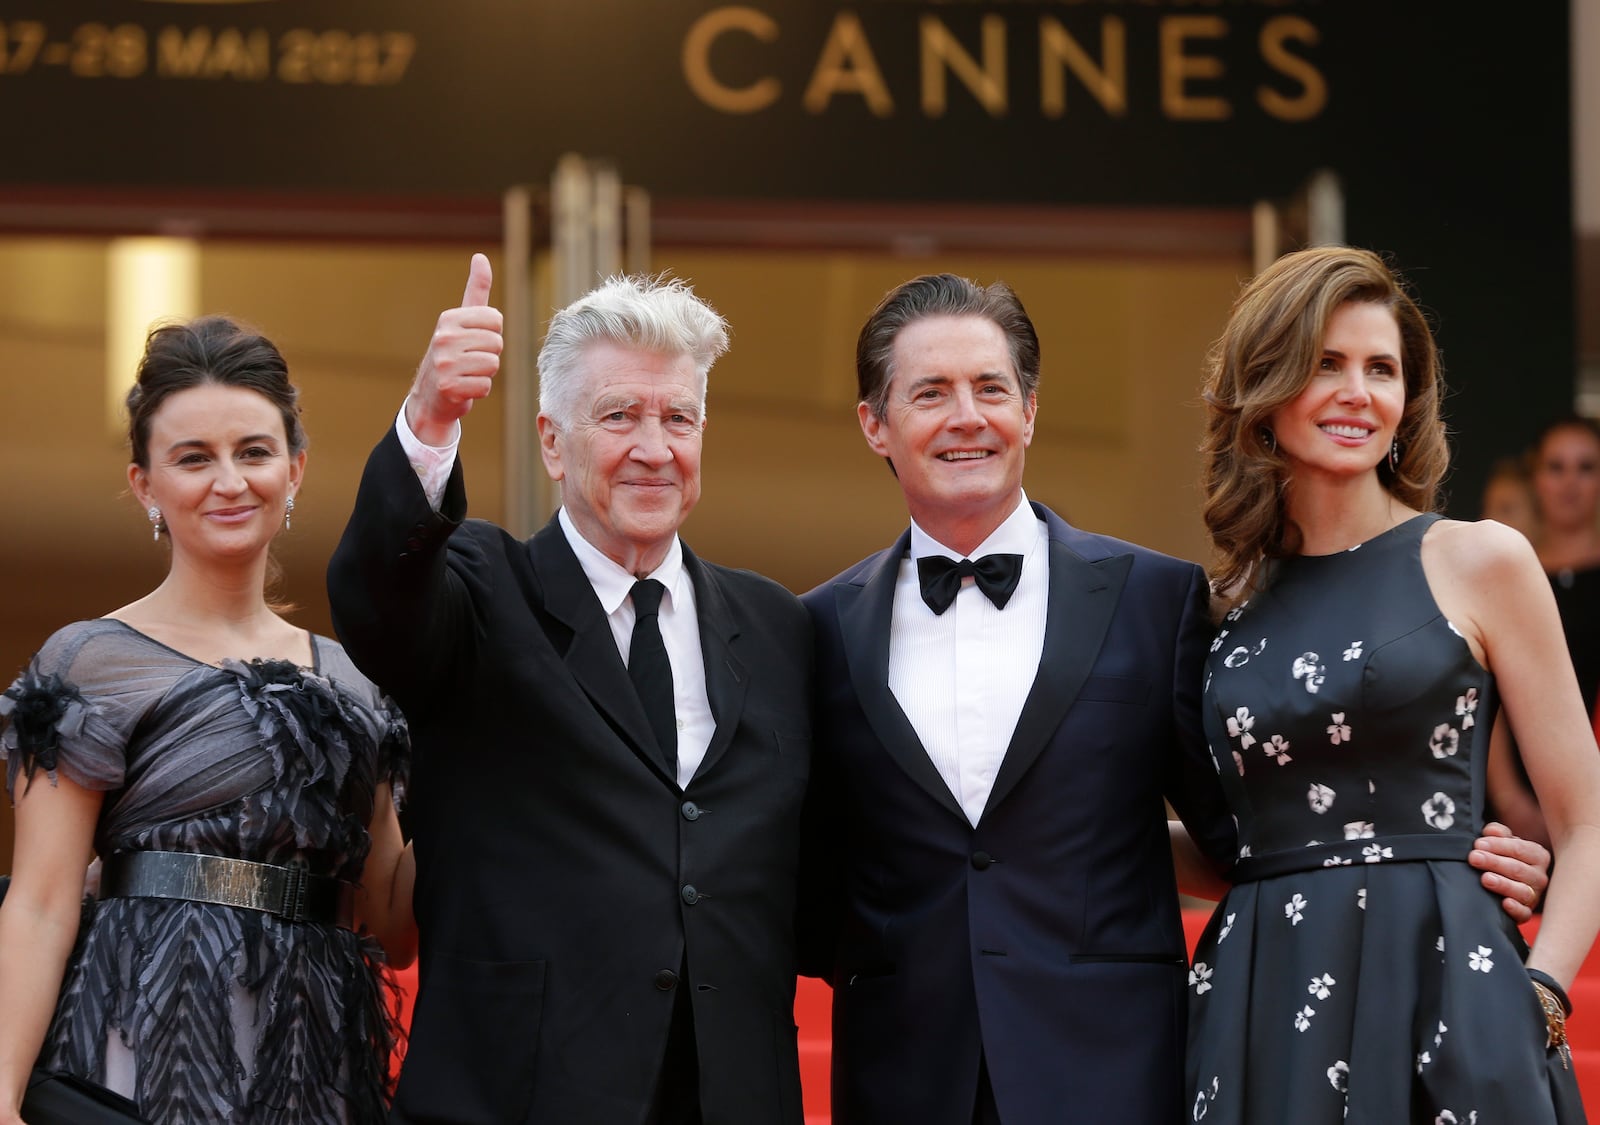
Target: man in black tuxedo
x,y
611,740
1003,701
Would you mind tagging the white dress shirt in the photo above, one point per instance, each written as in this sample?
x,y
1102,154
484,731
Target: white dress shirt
x,y
962,676
680,623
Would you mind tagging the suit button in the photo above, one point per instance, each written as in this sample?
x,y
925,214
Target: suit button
x,y
690,810
982,860
690,895
666,979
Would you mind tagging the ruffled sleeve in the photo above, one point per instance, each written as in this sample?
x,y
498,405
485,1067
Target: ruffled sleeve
x,y
65,714
394,749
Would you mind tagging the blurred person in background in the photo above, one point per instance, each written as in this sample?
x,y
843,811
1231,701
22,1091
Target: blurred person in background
x,y
1508,497
1566,481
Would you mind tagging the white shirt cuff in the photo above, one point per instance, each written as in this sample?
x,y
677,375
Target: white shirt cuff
x,y
431,463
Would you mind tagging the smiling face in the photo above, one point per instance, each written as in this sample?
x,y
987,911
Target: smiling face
x,y
220,470
956,427
629,458
1341,425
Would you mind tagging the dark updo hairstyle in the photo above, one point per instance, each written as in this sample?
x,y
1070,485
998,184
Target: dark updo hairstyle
x,y
210,349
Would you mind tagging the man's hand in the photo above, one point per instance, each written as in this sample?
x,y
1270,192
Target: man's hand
x,y
1518,870
462,360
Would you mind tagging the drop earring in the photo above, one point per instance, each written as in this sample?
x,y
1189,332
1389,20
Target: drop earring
x,y
156,526
288,513
1394,456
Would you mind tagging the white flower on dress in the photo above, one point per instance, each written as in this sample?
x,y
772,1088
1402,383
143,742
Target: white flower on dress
x,y
1227,928
1277,747
1338,730
1439,945
1422,1060
1302,1018
1438,1039
1354,651
1306,668
1339,1076
1319,986
1361,898
1439,811
1236,612
1200,978
1319,797
1359,830
1240,656
1445,741
1239,724
1337,861
1238,762
1465,706
1294,909
1481,959
1203,1100
1376,853
1217,642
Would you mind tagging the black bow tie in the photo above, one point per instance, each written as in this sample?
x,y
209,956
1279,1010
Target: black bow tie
x,y
997,576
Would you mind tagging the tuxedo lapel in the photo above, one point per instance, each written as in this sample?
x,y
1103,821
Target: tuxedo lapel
x,y
591,655
726,679
1083,598
864,618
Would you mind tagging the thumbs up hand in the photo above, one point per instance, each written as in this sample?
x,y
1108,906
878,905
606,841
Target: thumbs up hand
x,y
461,362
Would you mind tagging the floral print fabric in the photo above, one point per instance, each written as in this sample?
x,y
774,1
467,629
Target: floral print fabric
x,y
1357,974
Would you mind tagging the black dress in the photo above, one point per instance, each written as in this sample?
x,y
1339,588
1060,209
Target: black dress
x,y
1578,600
1357,973
205,1013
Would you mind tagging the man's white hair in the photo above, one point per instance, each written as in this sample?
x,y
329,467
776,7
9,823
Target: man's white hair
x,y
657,314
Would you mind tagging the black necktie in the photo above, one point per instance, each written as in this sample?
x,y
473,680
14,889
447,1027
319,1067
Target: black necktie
x,y
996,575
650,669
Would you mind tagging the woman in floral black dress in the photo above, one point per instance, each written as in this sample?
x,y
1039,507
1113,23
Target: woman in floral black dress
x,y
1356,973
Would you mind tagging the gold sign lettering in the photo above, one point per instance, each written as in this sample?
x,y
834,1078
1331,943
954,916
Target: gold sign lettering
x,y
1178,67
697,60
847,66
1313,96
1059,51
941,51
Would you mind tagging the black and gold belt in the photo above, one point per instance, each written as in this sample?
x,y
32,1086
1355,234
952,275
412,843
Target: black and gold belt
x,y
289,892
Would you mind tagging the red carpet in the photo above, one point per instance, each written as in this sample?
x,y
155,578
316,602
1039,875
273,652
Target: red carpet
x,y
813,1002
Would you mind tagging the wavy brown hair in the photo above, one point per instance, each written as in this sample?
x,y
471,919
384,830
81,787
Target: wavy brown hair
x,y
1264,359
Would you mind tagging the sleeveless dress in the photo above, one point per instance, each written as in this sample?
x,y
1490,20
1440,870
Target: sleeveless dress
x,y
1357,973
200,1012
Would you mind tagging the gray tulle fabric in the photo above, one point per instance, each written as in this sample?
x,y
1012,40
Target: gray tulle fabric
x,y
205,1013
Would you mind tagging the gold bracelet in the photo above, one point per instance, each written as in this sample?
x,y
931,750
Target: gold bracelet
x,y
1555,1023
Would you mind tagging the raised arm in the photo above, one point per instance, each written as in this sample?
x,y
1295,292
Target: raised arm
x,y
394,604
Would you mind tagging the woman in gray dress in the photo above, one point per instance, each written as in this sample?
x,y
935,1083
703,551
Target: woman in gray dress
x,y
236,776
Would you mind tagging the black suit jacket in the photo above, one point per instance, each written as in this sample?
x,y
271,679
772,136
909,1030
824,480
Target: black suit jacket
x,y
1047,938
563,878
